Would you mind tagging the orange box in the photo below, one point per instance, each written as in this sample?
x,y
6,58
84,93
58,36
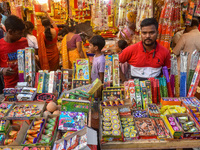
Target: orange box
x,y
163,102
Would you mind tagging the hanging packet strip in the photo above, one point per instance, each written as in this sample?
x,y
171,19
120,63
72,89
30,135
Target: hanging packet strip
x,y
174,76
21,65
193,64
183,74
166,74
108,71
195,81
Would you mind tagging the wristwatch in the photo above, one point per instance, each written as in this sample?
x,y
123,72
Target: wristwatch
x,y
1,71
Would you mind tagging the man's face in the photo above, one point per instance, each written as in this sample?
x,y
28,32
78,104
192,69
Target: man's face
x,y
16,35
149,35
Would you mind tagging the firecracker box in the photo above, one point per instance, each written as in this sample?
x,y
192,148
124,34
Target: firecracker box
x,y
170,101
85,139
20,135
188,135
165,127
138,97
41,82
30,66
108,71
24,141
52,82
46,82
27,94
149,94
40,106
141,125
82,69
131,86
113,135
21,64
116,78
176,134
54,132
65,80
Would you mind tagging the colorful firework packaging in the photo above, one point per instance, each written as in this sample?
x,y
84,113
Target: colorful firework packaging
x,y
161,129
140,114
145,128
48,130
153,110
128,128
111,122
26,110
34,131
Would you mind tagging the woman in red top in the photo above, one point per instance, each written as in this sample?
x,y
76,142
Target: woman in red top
x,y
47,43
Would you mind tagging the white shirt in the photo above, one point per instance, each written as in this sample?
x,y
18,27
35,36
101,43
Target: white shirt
x,y
32,41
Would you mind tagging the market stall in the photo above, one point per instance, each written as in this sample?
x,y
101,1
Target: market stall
x,y
55,109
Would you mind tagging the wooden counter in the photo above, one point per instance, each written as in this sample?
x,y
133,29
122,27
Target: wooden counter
x,y
151,144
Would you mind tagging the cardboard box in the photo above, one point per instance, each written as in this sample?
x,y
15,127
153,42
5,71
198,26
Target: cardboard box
x,y
147,136
129,138
167,130
22,130
176,134
6,111
107,138
41,106
29,127
90,144
6,126
83,69
171,102
54,133
189,135
11,147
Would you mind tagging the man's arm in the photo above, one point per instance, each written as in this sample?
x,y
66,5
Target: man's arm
x,y
101,76
6,71
126,54
179,46
51,20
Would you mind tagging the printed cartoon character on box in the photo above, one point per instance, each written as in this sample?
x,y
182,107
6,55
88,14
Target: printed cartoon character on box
x,y
81,74
76,122
116,77
116,64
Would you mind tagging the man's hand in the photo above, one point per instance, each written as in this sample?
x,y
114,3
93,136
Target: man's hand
x,y
8,71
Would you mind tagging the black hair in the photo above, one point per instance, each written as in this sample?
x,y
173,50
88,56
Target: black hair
x,y
0,16
29,25
98,41
1,10
122,44
14,23
195,22
47,24
71,28
148,22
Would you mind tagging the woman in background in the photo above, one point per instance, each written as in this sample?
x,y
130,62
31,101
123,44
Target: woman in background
x,y
47,42
71,48
32,40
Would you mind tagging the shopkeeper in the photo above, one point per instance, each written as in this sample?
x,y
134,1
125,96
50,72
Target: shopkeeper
x,y
146,57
